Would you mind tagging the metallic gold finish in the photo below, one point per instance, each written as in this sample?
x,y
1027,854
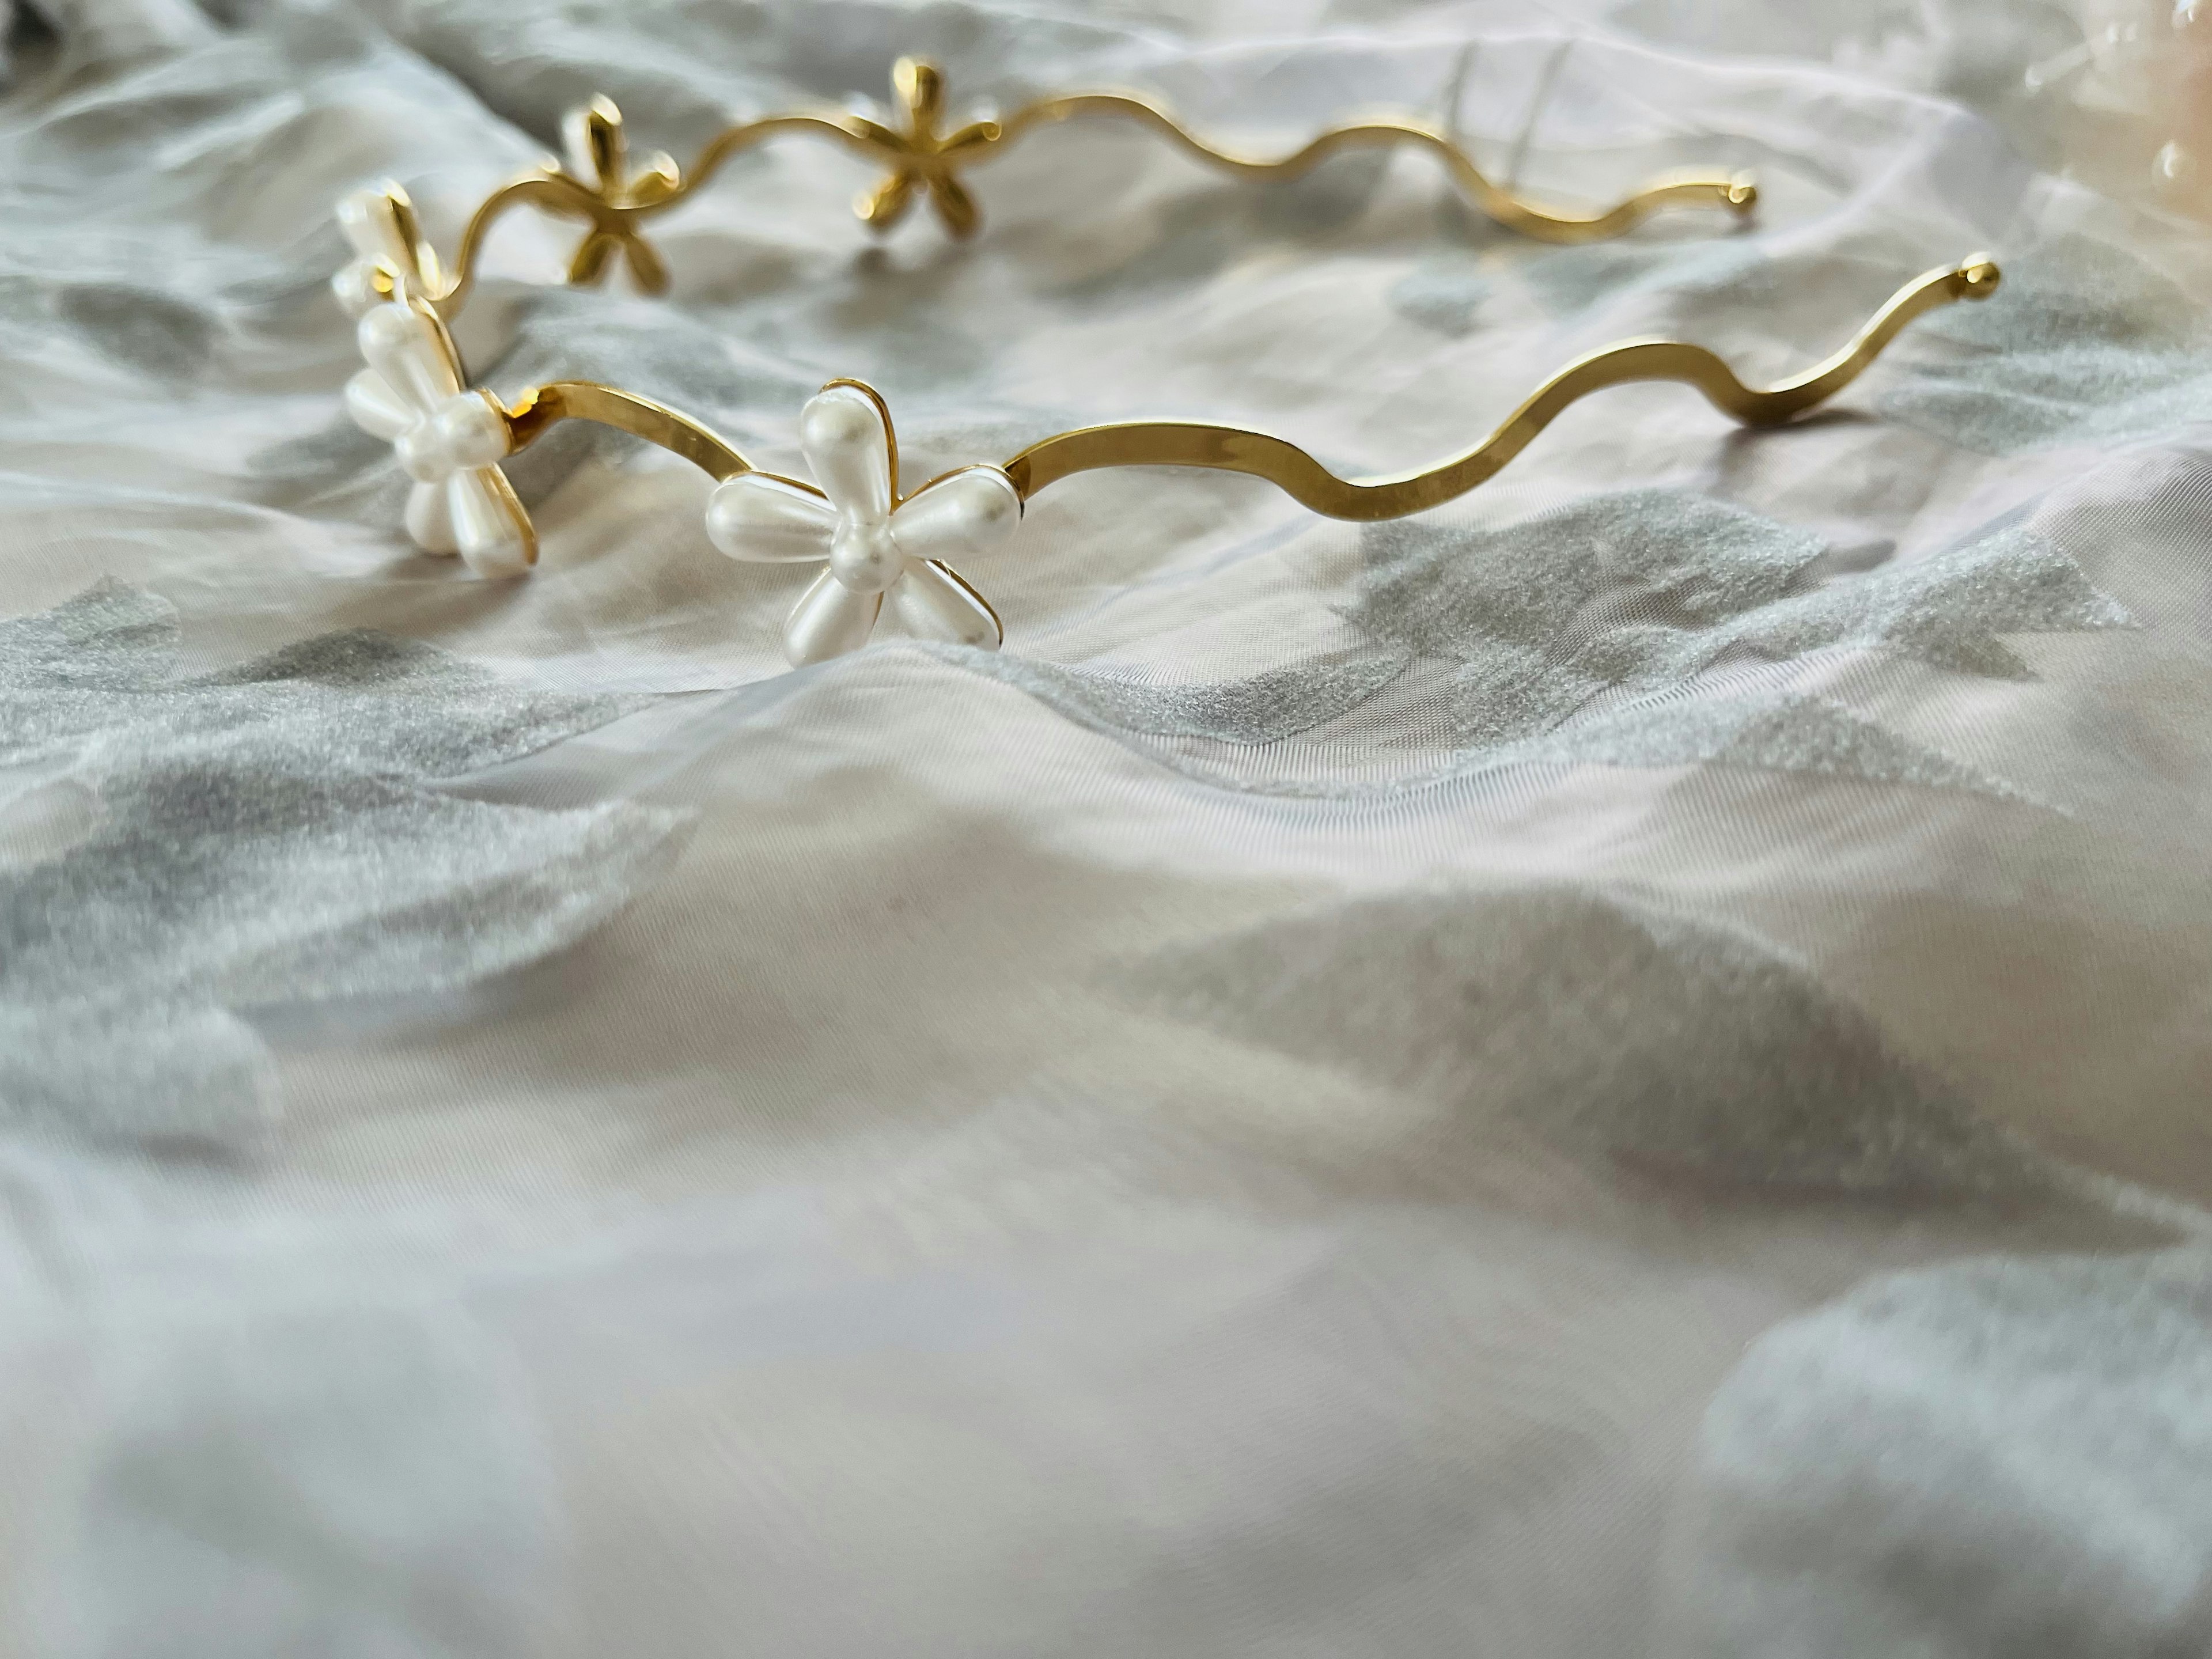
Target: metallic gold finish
x,y
530,416
657,423
891,454
923,160
1547,222
596,134
1233,449
1236,449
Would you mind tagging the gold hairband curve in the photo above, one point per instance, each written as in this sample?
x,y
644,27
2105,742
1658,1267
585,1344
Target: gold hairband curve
x,y
598,184
878,544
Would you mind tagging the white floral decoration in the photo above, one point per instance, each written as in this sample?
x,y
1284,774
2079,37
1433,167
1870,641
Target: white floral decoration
x,y
392,261
875,545
449,438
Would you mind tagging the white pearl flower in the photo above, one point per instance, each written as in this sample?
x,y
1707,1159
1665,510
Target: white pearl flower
x,y
394,260
876,546
449,438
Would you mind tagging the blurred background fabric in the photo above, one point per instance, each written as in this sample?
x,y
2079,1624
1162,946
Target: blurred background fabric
x,y
1621,1067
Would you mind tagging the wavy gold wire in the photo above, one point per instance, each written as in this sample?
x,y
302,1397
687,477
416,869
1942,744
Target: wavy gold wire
x,y
925,161
1283,464
1542,221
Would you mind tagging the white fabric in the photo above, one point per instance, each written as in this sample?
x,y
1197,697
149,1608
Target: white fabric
x,y
1350,1092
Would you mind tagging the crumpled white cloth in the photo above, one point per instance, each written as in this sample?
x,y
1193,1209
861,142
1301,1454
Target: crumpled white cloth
x,y
1618,1067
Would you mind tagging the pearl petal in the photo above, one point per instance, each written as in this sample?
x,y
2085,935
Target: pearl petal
x,y
355,288
842,431
829,620
470,431
754,517
422,455
489,524
937,605
429,521
376,408
864,557
370,222
971,511
409,351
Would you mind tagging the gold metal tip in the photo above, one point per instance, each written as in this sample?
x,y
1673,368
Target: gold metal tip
x,y
1976,277
602,125
1743,191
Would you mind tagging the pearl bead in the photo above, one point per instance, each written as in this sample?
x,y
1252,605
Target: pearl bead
x,y
355,286
865,558
881,554
421,452
463,431
471,432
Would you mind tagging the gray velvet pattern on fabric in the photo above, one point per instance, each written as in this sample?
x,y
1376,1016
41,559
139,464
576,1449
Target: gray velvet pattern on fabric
x,y
1640,593
1621,589
1263,708
1668,1046
1928,1466
263,836
1583,635
1321,1047
1641,590
2091,343
1788,732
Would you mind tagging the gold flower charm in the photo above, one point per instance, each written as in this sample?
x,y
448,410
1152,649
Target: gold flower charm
x,y
597,162
921,157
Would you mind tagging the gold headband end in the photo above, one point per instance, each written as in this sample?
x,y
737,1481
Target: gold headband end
x,y
1976,278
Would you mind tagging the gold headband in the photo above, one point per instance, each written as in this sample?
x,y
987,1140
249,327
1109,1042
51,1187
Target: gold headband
x,y
876,542
598,184
879,545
